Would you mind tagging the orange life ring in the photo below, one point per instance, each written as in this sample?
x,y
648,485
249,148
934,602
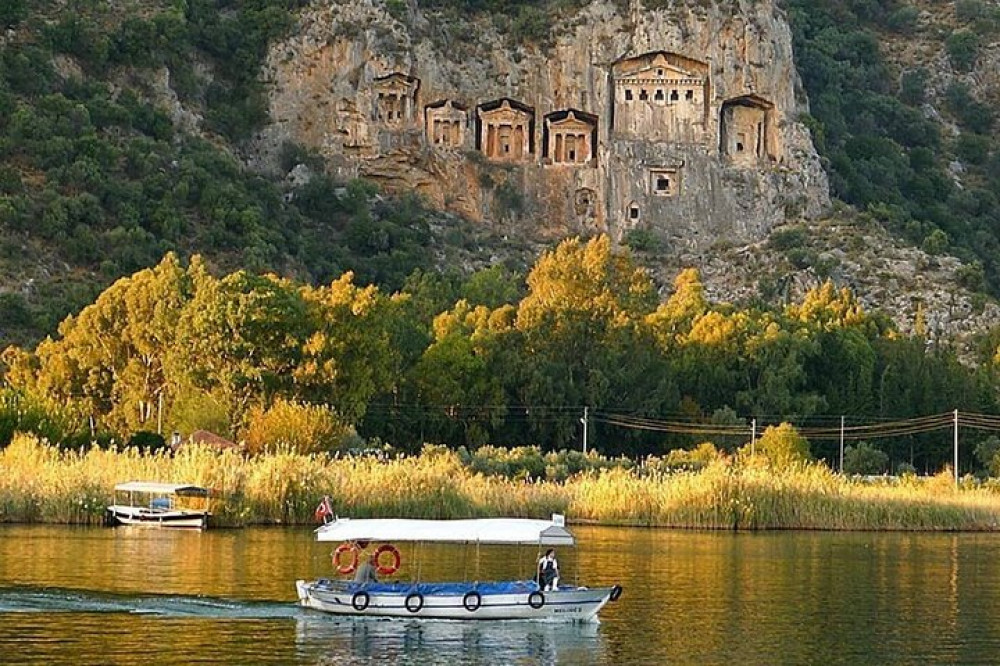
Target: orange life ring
x,y
383,569
346,567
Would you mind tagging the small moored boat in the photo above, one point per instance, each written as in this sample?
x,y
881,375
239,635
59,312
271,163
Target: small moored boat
x,y
497,600
158,505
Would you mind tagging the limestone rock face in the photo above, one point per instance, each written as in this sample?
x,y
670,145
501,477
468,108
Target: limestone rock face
x,y
682,120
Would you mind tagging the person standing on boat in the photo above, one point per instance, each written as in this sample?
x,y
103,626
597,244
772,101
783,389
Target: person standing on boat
x,y
366,571
548,571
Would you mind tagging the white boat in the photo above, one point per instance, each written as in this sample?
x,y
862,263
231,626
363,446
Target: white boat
x,y
157,505
499,600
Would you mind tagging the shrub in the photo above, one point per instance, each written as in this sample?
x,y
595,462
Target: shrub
x,y
145,440
802,258
963,49
300,427
14,310
20,412
516,463
782,446
912,86
787,239
968,11
988,454
936,242
528,462
864,459
972,276
972,114
973,148
643,240
12,12
903,20
690,460
509,200
397,8
531,25
726,416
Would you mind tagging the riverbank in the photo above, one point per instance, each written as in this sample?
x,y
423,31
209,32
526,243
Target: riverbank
x,y
41,483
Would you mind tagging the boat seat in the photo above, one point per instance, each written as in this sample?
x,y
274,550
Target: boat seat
x,y
160,503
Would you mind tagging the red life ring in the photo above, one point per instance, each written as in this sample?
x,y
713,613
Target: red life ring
x,y
347,567
387,569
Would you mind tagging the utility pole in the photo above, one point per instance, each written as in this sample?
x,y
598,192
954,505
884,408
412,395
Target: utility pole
x,y
753,437
586,415
956,448
841,444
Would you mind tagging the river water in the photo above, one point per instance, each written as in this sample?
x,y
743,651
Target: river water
x,y
133,596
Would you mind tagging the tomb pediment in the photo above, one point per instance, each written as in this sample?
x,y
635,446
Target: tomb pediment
x,y
660,65
571,120
447,104
505,110
504,115
751,100
664,72
396,81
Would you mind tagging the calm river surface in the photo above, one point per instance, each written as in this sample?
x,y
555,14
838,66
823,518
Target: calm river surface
x,y
132,596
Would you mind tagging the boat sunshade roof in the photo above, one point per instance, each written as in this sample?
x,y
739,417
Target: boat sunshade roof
x,y
161,488
497,531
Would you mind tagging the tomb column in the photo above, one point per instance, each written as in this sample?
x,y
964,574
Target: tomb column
x,y
491,140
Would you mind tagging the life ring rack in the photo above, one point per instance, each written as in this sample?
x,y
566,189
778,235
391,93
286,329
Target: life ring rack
x,y
349,566
393,566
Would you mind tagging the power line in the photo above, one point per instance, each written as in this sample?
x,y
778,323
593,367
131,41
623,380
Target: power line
x,y
876,428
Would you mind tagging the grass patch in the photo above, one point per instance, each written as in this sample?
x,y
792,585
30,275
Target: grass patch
x,y
42,483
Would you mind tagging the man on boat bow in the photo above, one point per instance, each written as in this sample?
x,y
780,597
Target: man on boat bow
x,y
548,571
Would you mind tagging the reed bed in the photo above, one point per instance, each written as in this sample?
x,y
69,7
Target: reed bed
x,y
42,483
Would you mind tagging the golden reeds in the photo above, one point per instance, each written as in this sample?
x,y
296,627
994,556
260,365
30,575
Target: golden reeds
x,y
41,483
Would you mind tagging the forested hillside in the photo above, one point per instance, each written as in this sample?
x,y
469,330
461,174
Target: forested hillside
x,y
98,179
122,130
903,97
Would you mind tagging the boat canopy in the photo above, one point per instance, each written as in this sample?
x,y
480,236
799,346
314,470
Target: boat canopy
x,y
161,488
496,531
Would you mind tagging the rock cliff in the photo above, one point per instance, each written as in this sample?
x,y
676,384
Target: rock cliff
x,y
682,121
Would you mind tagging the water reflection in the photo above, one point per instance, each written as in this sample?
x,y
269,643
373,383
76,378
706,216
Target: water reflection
x,y
701,598
372,641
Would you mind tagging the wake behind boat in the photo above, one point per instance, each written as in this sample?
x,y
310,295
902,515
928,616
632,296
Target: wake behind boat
x,y
157,505
497,600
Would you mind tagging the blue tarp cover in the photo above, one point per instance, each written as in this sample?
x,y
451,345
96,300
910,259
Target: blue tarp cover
x,y
439,589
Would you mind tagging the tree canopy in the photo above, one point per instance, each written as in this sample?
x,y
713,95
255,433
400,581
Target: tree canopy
x,y
175,347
